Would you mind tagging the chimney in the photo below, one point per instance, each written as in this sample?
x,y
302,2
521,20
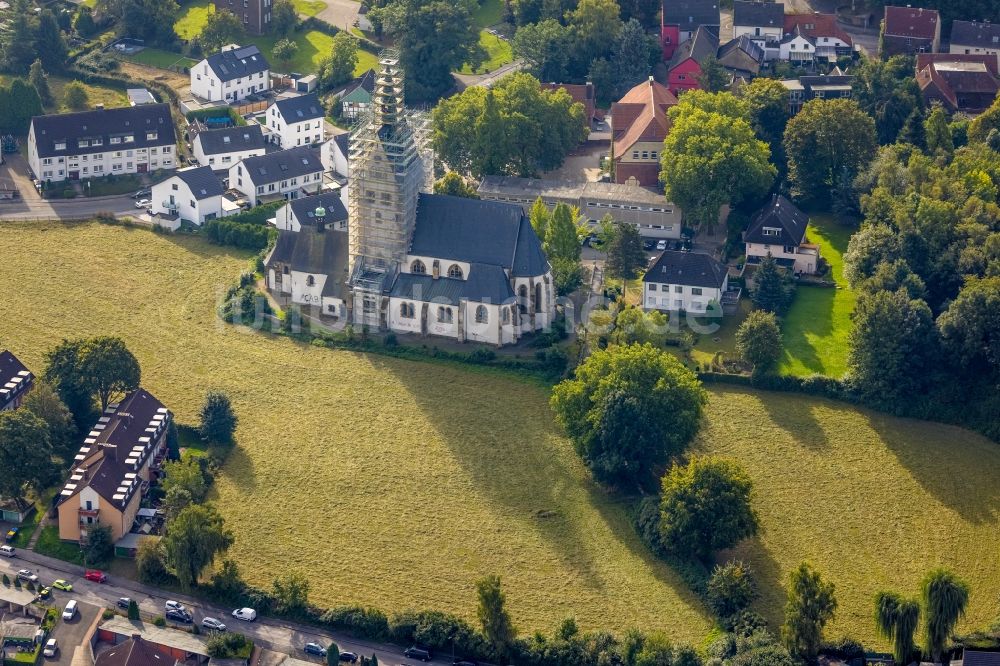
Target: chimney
x,y
136,638
99,107
651,82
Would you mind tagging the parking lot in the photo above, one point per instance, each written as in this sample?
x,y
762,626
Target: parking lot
x,y
70,634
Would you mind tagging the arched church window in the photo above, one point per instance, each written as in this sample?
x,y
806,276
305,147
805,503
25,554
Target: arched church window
x,y
418,268
482,315
455,271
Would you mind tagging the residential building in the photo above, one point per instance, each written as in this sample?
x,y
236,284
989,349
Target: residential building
x,y
255,15
296,121
779,230
910,30
286,174
684,69
191,195
978,658
680,19
741,57
308,264
180,647
797,47
760,21
120,457
134,652
222,148
966,83
357,97
334,154
103,142
826,39
639,124
649,211
975,38
582,93
685,282
137,96
15,381
428,264
835,85
231,75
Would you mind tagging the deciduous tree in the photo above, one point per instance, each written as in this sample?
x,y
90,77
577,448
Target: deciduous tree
x,y
625,255
970,327
75,96
44,403
628,410
284,18
218,421
897,619
492,612
811,604
25,454
705,507
731,589
222,28
713,77
454,185
436,37
291,594
758,340
49,42
64,372
543,48
339,66
945,598
285,49
110,369
194,538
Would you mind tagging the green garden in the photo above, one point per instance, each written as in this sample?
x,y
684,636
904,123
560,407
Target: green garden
x,y
398,483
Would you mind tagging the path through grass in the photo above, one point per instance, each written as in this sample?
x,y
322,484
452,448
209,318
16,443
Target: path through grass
x,y
398,484
817,326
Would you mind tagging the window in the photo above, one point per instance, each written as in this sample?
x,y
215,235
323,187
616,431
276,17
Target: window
x,y
482,315
652,287
418,268
652,155
678,289
407,311
455,271
696,291
173,186
635,154
771,231
445,315
310,281
505,315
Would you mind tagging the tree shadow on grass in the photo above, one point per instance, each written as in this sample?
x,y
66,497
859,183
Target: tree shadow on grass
x,y
239,468
789,412
811,314
963,478
768,575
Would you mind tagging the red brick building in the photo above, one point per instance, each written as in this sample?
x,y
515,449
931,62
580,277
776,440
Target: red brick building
x,y
910,30
254,14
639,125
961,82
681,18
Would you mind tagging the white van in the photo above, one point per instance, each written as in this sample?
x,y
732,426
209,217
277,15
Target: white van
x,y
70,611
8,551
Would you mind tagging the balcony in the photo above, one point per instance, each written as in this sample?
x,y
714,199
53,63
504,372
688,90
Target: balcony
x,y
172,207
92,513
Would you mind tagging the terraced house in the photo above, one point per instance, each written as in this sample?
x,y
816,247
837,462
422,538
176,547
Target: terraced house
x,y
120,457
103,142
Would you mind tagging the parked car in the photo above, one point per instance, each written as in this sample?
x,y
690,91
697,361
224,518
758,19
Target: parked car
x,y
12,533
348,657
8,551
648,245
173,605
314,649
123,602
27,576
70,611
213,624
464,662
96,576
414,652
143,203
245,614
40,636
661,245
51,647
63,585
142,194
45,593
181,616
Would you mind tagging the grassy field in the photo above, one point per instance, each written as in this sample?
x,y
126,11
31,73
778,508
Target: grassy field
x,y
816,327
398,484
498,53
314,46
162,59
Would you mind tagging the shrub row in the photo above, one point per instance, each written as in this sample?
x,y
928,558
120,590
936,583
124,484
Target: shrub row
x,y
258,214
226,231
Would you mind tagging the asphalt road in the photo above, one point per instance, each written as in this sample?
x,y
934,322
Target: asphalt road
x,y
278,635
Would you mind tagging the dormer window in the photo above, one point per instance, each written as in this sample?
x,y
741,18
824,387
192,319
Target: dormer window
x,y
60,145
116,139
771,231
151,136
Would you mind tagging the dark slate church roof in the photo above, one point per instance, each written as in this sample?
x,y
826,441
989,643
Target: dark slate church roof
x,y
304,208
477,232
779,213
485,283
687,268
311,251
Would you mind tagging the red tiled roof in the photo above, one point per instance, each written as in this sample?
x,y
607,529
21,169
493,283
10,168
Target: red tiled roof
x,y
823,25
911,22
582,93
641,115
924,59
948,79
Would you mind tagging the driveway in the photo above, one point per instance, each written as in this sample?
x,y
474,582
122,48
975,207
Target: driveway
x,y
341,13
15,170
583,164
70,634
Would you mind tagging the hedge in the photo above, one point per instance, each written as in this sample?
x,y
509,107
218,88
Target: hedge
x,y
257,215
226,231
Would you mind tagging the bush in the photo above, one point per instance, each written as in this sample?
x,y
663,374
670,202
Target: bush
x,y
218,422
228,645
5,580
731,589
107,614
160,621
482,355
228,231
436,630
133,610
361,621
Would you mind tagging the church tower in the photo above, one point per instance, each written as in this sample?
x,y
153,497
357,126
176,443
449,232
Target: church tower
x,y
390,162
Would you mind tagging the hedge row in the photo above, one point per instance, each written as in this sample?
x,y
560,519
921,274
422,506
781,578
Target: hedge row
x,y
226,231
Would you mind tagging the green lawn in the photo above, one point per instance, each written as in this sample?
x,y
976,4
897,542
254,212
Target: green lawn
x,y
398,484
314,45
49,544
489,12
96,94
162,59
498,53
817,325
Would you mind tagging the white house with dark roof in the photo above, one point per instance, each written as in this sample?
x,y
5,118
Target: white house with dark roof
x,y
222,148
192,195
120,457
975,37
296,121
760,21
286,174
15,381
779,230
231,75
686,282
103,142
308,264
334,154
